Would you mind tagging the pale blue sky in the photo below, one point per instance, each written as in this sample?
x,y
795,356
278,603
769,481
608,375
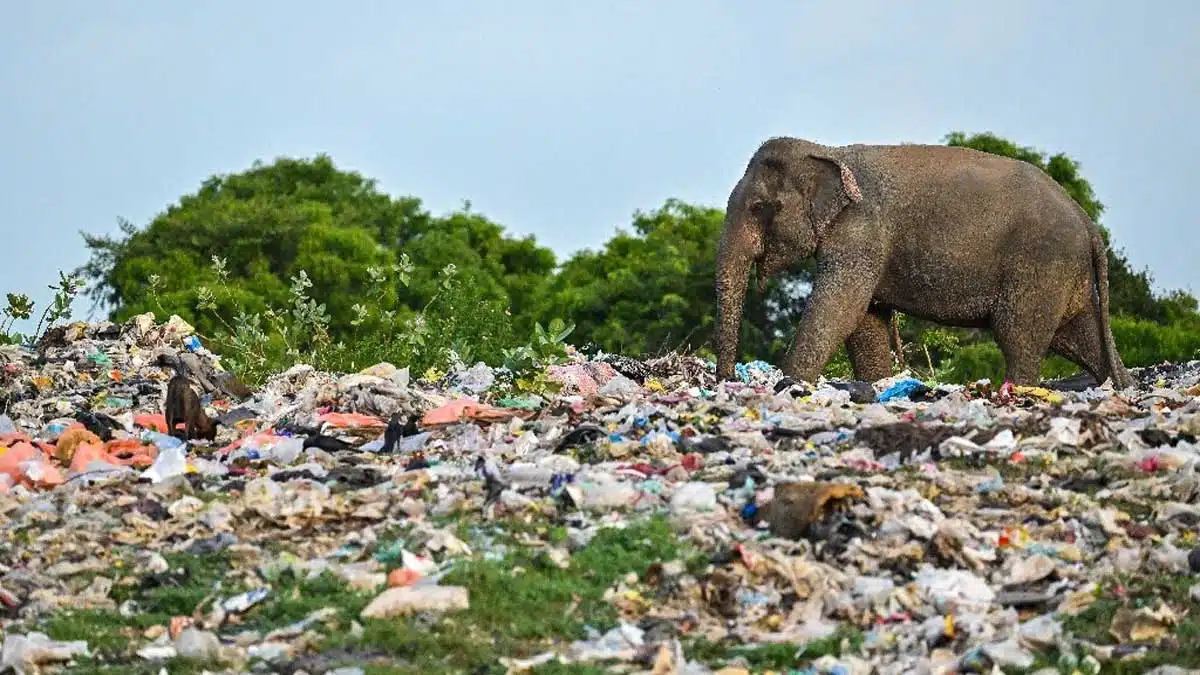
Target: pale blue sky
x,y
562,118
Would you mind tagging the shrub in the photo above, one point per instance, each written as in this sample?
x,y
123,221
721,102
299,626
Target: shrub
x,y
1139,342
20,308
1144,343
975,362
460,325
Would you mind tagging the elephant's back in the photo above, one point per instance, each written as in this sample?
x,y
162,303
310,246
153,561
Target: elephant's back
x,y
942,163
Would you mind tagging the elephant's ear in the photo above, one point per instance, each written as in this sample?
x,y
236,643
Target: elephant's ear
x,y
833,192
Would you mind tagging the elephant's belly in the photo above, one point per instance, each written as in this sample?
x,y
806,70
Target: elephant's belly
x,y
946,299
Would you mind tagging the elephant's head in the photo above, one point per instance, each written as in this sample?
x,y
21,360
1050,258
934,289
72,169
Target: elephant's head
x,y
777,214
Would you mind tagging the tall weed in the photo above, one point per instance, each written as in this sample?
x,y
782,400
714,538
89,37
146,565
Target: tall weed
x,y
458,326
20,308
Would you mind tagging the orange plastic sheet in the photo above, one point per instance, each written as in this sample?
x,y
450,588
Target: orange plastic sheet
x,y
155,422
27,465
37,464
267,436
345,420
130,452
463,409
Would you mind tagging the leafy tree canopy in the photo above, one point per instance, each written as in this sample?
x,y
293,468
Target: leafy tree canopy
x,y
651,290
266,224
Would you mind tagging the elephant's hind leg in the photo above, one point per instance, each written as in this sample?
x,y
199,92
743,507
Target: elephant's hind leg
x,y
1078,340
1030,317
868,347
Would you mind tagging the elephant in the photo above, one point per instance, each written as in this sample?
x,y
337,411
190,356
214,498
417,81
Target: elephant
x,y
951,235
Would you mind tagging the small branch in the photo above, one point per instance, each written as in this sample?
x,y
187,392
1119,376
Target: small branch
x,y
896,337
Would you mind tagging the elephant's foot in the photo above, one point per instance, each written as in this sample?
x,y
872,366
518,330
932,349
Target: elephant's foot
x,y
1023,364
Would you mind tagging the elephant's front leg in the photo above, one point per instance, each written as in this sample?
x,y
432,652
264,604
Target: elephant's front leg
x,y
840,297
869,347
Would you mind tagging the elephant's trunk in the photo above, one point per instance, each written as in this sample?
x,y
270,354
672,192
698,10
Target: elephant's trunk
x,y
740,246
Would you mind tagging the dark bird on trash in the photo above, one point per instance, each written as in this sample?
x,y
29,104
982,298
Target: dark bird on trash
x,y
493,484
326,443
98,423
584,434
182,405
396,430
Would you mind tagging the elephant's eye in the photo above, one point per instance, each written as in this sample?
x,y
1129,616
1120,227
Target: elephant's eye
x,y
762,209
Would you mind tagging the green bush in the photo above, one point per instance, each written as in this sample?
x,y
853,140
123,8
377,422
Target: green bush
x,y
20,308
1139,342
1145,343
460,325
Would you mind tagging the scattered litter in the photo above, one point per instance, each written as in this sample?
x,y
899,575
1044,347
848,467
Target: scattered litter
x,y
401,600
949,528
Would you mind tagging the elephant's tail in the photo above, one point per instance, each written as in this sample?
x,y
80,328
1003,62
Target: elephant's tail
x,y
1100,274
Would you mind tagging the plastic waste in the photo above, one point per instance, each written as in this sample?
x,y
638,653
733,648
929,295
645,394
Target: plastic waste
x,y
404,600
51,431
902,389
477,379
620,387
163,441
694,497
197,645
285,452
170,463
954,589
602,496
618,643
990,485
239,604
30,652
528,482
757,373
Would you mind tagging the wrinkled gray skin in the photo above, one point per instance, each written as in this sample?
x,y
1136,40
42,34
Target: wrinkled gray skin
x,y
947,234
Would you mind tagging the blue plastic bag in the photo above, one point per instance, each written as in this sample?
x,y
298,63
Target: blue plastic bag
x,y
901,389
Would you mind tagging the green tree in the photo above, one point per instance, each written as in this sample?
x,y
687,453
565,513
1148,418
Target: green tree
x,y
645,291
267,223
650,290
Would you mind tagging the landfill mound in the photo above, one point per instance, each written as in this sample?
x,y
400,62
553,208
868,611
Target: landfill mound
x,y
643,518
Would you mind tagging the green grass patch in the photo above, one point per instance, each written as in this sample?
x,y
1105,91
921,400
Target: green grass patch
x,y
779,656
173,666
1135,510
521,613
293,601
107,633
114,639
1183,649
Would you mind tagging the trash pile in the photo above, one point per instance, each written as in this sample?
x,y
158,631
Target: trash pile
x,y
903,526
